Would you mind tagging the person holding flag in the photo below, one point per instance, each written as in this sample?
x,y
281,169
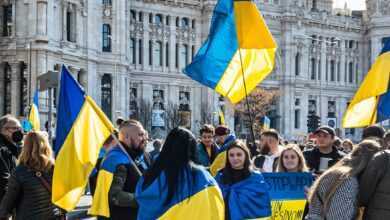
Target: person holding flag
x,y
244,190
119,173
175,188
82,128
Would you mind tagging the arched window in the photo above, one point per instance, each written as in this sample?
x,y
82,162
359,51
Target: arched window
x,y
313,68
133,15
297,64
106,38
7,20
132,50
158,19
7,88
157,54
107,94
185,23
183,55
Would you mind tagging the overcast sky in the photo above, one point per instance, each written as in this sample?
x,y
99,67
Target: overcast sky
x,y
352,4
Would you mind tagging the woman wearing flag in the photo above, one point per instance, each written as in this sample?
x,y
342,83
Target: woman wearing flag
x,y
175,188
244,190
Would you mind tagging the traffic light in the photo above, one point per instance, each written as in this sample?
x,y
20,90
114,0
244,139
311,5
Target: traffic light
x,y
313,122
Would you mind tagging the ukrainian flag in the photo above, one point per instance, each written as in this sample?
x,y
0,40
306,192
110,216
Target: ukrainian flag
x,y
82,129
371,103
239,43
220,159
34,114
200,200
100,204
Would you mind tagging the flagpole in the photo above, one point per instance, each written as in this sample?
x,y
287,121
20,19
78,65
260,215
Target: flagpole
x,y
246,99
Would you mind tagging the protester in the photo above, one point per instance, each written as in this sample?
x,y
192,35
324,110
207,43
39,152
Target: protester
x,y
117,178
119,121
373,131
334,194
324,155
244,190
10,137
347,146
270,150
175,188
374,193
223,138
207,150
29,190
157,144
292,160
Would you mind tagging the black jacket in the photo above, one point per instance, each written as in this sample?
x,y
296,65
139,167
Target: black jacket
x,y
8,156
374,187
121,194
313,157
28,195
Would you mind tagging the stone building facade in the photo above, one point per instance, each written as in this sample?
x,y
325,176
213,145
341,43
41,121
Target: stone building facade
x,y
128,55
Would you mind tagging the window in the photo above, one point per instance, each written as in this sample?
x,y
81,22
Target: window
x,y
23,88
71,23
7,89
345,71
185,23
184,55
133,50
338,71
133,103
167,20
106,38
157,54
107,2
133,15
140,16
357,74
193,23
297,102
384,41
319,70
331,109
313,68
177,56
326,70
350,71
350,45
106,87
7,20
158,19
167,54
297,64
140,52
332,71
177,22
297,118
314,5
192,52
150,18
150,52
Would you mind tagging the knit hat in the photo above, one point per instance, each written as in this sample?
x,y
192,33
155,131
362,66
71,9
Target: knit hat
x,y
221,130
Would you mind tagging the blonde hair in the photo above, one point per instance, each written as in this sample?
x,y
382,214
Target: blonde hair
x,y
36,152
350,166
301,159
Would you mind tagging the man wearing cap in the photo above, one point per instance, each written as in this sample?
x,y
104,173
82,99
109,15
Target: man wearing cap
x,y
223,138
325,154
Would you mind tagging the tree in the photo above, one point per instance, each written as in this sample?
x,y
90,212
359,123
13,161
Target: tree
x,y
172,116
260,102
144,114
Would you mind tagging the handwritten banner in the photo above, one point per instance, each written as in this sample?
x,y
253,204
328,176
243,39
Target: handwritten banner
x,y
287,191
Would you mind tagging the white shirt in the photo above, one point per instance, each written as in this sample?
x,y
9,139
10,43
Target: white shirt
x,y
269,161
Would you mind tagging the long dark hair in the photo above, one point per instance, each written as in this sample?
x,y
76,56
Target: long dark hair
x,y
228,170
178,152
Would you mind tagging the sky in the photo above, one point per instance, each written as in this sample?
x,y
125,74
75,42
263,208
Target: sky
x,y
352,4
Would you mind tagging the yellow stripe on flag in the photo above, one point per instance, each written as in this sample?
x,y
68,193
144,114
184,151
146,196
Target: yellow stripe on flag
x,y
78,154
34,118
100,205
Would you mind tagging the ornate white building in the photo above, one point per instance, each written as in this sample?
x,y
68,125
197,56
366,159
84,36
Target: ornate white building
x,y
128,55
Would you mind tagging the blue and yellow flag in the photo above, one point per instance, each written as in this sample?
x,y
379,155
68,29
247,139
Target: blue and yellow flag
x,y
371,103
220,160
247,199
82,129
200,200
100,204
239,43
34,114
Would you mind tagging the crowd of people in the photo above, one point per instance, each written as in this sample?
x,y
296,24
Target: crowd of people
x,y
351,180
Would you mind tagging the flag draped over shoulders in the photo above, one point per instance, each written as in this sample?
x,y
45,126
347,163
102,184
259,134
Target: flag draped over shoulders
x,y
239,46
82,129
247,199
100,204
197,197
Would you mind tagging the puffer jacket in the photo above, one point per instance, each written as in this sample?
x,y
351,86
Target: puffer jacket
x,y
28,196
374,192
